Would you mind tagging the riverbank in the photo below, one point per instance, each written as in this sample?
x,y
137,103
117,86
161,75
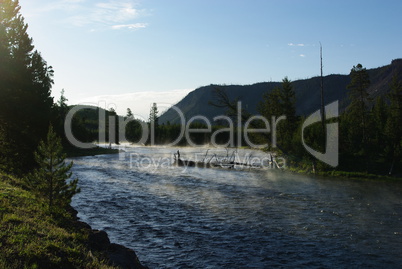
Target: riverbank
x,y
349,167
31,237
344,174
78,152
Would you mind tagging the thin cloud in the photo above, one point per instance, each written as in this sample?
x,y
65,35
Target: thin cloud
x,y
61,5
129,26
302,55
114,12
101,14
296,45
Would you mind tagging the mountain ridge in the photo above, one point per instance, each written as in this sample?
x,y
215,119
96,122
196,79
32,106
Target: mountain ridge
x,y
307,93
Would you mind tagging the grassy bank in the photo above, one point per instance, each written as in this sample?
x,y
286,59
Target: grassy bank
x,y
31,237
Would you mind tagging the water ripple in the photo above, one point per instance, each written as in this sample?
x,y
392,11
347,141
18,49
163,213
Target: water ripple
x,y
214,218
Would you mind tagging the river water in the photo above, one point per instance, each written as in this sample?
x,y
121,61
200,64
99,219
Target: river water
x,y
231,218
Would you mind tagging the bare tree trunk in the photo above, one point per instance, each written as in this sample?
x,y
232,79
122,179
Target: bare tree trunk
x,y
322,99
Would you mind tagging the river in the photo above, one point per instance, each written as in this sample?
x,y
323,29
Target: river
x,y
231,218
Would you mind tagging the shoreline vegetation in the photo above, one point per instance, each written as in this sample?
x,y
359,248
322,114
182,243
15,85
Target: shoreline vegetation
x,y
32,237
346,175
79,152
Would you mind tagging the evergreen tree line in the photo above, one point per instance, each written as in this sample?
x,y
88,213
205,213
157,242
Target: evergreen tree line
x,y
29,146
27,108
25,84
370,132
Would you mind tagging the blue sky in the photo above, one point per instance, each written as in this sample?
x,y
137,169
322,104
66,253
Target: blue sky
x,y
136,52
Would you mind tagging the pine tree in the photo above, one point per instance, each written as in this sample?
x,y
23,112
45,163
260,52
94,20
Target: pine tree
x,y
271,108
51,178
281,101
378,139
60,111
357,111
25,84
288,98
153,115
113,126
131,126
271,104
129,113
393,127
154,123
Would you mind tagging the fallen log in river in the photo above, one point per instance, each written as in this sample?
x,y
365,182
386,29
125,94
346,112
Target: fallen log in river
x,y
214,162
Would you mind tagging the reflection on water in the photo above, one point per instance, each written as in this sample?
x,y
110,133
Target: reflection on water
x,y
216,218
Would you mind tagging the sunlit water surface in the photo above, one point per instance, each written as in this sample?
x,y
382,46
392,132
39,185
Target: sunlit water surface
x,y
219,218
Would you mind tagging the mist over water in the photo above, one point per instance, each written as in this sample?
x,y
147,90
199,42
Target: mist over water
x,y
219,218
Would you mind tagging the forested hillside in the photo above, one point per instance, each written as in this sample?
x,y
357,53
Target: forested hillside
x,y
307,93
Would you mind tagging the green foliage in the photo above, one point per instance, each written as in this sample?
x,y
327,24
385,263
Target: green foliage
x,y
393,126
50,179
153,115
271,105
377,138
133,131
60,110
31,238
371,138
25,83
113,126
370,134
358,109
281,102
129,114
